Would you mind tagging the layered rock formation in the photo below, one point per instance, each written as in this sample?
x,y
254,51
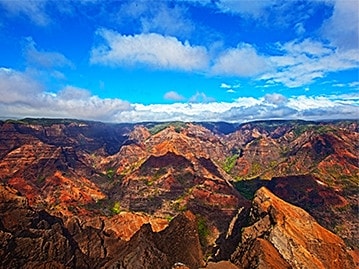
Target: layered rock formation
x,y
284,236
31,239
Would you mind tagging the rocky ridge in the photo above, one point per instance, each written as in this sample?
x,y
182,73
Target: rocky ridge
x,y
284,236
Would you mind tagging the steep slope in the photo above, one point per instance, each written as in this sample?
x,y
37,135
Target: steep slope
x,y
284,236
177,244
327,150
334,209
31,239
35,239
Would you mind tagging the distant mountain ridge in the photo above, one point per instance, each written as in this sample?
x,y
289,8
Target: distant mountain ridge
x,y
117,177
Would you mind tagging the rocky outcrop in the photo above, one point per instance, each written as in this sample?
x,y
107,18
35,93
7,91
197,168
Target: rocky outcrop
x,y
285,236
177,244
31,239
332,208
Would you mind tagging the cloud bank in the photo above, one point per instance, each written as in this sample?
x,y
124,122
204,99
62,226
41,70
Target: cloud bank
x,y
24,97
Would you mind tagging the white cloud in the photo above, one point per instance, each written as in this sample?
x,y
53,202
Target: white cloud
x,y
342,28
172,95
302,102
354,84
162,17
307,47
24,97
250,8
297,63
153,50
201,97
73,93
35,10
225,86
299,28
273,106
304,62
241,61
45,59
229,88
17,87
275,99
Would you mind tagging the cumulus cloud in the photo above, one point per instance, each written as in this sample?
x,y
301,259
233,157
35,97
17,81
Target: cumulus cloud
x,y
153,50
173,95
229,88
22,96
241,61
17,87
296,63
342,28
201,97
275,98
225,86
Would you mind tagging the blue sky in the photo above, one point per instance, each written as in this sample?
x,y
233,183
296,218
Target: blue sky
x,y
198,60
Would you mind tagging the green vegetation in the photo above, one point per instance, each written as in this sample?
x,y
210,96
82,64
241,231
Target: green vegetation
x,y
169,218
159,173
230,162
46,121
178,125
40,179
248,187
184,178
316,128
255,169
116,208
180,204
273,163
203,230
110,173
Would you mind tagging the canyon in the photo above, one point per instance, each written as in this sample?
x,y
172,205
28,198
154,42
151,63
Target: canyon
x,y
271,194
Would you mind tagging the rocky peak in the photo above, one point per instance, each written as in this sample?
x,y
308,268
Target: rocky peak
x,y
289,235
177,245
139,134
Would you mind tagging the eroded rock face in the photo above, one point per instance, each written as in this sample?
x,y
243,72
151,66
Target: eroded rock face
x,y
32,239
285,235
177,245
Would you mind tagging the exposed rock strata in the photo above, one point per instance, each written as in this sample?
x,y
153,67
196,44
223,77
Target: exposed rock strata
x,y
285,236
